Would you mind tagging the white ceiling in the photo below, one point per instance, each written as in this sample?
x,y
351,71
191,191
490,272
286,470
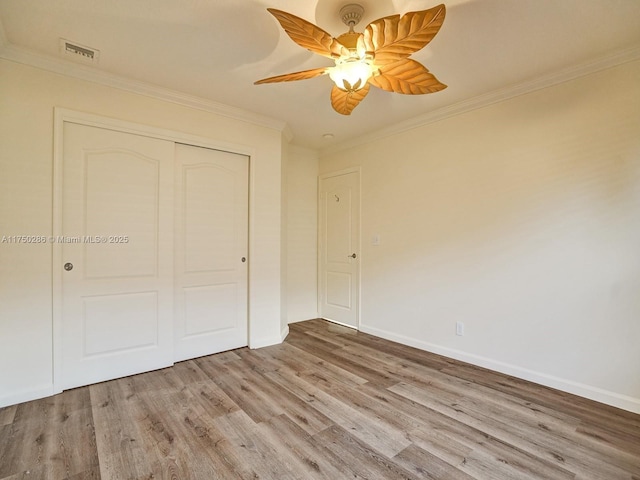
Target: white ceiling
x,y
216,49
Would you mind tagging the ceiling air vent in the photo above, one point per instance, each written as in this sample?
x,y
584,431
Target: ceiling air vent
x,y
78,52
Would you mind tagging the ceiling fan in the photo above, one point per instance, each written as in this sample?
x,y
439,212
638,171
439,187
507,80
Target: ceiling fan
x,y
378,56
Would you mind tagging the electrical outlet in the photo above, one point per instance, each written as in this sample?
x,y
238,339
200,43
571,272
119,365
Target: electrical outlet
x,y
460,329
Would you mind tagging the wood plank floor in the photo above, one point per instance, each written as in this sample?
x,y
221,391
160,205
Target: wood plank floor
x,y
329,403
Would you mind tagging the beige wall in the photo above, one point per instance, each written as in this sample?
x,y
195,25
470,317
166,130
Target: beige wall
x,y
27,100
302,234
522,220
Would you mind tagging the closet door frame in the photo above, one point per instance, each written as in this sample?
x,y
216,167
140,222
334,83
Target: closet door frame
x,y
62,116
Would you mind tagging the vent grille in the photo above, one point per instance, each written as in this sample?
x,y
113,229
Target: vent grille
x,y
78,52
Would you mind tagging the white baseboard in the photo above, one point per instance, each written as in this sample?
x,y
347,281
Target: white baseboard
x,y
27,395
283,333
587,391
268,341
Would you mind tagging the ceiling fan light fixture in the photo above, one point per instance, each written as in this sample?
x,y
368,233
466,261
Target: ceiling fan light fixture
x,y
378,57
351,74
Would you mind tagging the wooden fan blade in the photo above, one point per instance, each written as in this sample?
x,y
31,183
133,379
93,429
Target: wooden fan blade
x,y
290,77
344,102
408,77
392,38
309,36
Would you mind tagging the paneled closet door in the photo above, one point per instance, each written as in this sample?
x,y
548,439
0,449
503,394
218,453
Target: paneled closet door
x,y
211,251
117,254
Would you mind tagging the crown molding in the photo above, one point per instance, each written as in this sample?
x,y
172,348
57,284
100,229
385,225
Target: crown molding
x,y
91,74
564,75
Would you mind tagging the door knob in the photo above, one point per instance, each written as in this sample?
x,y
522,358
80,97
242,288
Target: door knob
x,y
68,266
353,255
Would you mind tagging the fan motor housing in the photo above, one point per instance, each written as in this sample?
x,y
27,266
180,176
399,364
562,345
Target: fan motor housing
x,y
349,39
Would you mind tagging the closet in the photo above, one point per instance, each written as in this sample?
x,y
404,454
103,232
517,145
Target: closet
x,y
153,253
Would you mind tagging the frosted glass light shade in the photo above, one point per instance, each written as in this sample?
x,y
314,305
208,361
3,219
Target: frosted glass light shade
x,y
351,75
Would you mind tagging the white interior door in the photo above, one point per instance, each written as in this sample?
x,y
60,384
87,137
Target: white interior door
x,y
117,245
339,244
211,251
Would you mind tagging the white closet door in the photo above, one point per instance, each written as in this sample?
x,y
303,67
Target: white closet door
x,y
211,251
117,254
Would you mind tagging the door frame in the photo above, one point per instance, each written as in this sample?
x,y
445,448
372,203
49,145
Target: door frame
x,y
321,178
64,115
